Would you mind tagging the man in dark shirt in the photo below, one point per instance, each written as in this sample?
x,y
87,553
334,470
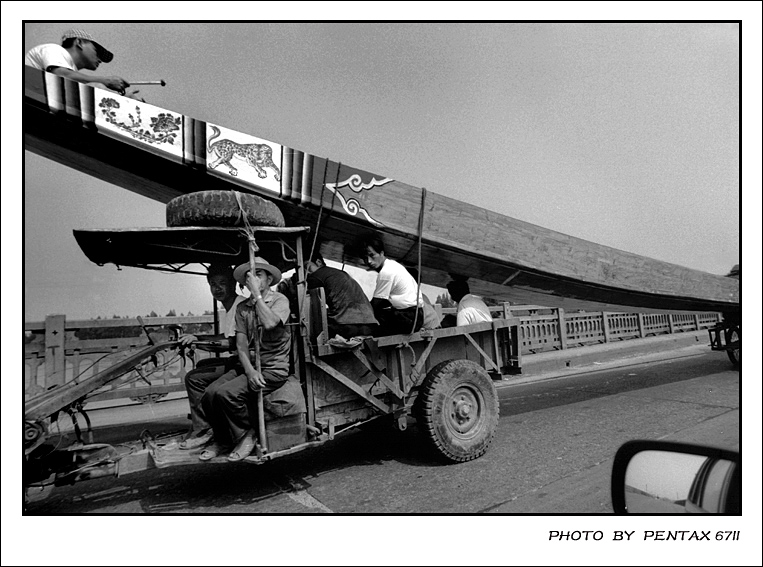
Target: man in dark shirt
x,y
349,311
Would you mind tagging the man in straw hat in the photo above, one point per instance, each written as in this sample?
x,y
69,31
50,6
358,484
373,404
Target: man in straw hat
x,y
78,50
226,401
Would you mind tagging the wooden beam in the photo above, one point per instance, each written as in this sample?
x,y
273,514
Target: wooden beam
x,y
482,352
507,258
391,386
350,384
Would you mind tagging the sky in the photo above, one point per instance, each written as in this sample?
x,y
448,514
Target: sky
x,y
624,134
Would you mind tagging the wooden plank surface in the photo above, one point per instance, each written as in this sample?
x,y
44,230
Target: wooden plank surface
x,y
504,258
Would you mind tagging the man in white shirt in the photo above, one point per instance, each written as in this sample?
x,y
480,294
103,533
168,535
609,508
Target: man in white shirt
x,y
78,50
396,301
471,309
222,285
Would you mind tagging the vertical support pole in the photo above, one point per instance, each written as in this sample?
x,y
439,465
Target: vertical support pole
x,y
605,326
305,354
641,325
499,362
262,434
506,309
516,346
671,325
562,328
696,322
55,359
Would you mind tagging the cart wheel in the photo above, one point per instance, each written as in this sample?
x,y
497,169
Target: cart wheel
x,y
459,409
734,335
221,208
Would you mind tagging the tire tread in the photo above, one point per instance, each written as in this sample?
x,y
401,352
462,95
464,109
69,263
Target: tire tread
x,y
221,208
426,406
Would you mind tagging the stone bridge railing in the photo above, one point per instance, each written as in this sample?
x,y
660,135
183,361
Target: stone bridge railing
x,y
540,327
57,351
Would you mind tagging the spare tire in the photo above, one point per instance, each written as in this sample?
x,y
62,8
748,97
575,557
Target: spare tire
x,y
221,208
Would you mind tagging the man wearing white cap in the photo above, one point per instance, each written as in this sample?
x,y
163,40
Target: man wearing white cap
x,y
78,50
226,401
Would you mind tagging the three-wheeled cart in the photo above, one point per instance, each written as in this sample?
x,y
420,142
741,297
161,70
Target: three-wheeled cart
x,y
442,378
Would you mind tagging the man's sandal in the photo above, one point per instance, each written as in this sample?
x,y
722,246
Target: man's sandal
x,y
214,450
243,449
194,442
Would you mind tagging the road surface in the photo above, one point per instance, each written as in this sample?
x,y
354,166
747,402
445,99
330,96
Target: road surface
x,y
552,454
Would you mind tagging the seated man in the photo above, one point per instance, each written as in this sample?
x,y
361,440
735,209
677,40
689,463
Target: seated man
x,y
396,302
222,285
471,309
349,312
226,402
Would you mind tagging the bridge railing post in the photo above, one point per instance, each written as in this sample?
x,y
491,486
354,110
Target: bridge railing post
x,y
55,353
562,328
605,326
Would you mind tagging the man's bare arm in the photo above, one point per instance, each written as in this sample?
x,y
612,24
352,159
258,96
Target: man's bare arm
x,y
114,83
242,346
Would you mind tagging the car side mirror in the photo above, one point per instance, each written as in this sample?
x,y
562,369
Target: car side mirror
x,y
663,477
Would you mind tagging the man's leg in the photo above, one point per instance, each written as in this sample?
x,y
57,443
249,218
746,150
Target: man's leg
x,y
234,397
196,382
243,412
214,409
403,319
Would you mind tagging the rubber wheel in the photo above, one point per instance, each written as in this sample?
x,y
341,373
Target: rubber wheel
x,y
459,409
221,208
734,335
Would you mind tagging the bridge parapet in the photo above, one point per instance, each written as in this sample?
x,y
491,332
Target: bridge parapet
x,y
57,351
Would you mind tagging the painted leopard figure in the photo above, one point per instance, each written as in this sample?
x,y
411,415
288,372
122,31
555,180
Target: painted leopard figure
x,y
258,156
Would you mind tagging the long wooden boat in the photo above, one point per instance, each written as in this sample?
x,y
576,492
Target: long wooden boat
x,y
162,154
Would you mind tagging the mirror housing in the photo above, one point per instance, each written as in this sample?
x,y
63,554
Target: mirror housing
x,y
665,477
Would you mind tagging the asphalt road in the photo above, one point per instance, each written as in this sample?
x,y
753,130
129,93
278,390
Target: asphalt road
x,y
552,454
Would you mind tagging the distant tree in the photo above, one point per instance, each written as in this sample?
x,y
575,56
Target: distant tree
x,y
189,314
171,313
98,317
208,312
115,316
153,314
